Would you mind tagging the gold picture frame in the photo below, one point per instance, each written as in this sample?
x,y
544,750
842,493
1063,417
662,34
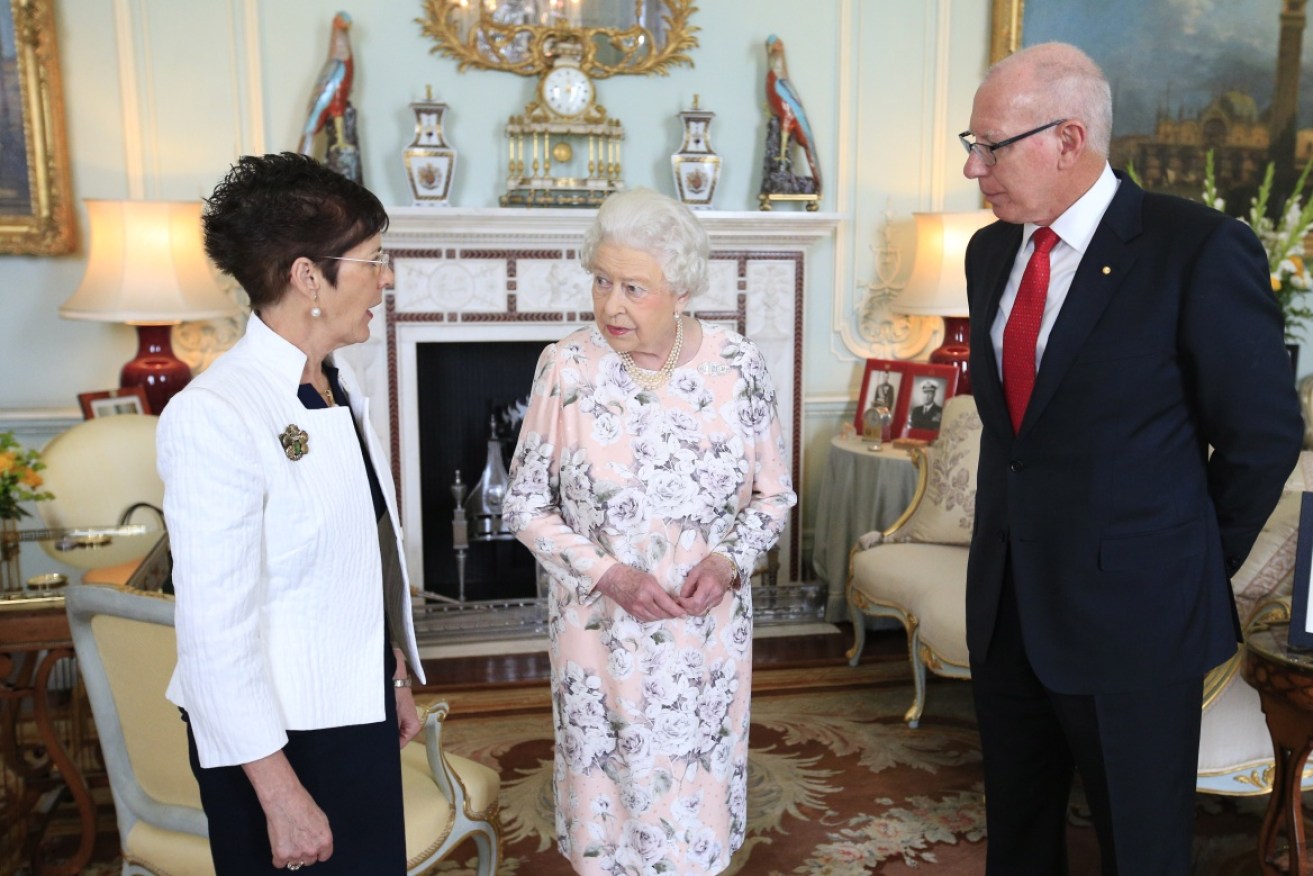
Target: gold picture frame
x,y
36,198
1005,28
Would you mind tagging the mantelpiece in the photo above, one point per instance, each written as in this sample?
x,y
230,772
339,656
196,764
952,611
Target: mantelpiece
x,y
501,275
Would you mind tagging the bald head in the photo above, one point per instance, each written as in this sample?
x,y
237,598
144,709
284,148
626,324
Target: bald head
x,y
1059,81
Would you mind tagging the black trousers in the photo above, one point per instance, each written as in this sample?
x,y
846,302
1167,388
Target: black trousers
x,y
354,775
1137,754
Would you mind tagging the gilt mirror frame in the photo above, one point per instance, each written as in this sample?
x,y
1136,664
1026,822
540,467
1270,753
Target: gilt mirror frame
x,y
527,49
36,198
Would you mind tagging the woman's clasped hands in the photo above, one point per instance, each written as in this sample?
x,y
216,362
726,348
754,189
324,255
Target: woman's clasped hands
x,y
639,594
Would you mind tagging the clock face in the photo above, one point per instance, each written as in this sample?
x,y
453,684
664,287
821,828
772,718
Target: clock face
x,y
567,91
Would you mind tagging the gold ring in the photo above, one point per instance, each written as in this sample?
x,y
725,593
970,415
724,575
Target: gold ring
x,y
296,866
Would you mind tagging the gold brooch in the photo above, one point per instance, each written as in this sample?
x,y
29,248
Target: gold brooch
x,y
295,441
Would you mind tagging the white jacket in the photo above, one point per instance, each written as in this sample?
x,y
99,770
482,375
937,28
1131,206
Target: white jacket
x,y
276,563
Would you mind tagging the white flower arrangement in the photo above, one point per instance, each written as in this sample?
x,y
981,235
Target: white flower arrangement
x,y
1283,240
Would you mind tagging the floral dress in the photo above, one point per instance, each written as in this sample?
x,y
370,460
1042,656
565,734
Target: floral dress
x,y
651,718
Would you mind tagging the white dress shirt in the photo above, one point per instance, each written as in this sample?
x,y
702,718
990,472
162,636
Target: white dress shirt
x,y
1075,229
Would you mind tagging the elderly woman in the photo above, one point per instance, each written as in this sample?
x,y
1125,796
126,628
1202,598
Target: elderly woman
x,y
651,472
282,520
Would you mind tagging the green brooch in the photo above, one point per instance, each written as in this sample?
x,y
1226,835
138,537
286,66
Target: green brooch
x,y
295,441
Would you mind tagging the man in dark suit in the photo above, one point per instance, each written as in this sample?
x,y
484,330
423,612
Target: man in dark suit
x,y
926,415
1139,422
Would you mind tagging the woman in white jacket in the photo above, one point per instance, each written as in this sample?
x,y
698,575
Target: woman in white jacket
x,y
293,608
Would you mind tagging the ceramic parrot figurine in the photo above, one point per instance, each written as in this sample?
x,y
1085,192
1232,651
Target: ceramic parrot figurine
x,y
786,106
333,89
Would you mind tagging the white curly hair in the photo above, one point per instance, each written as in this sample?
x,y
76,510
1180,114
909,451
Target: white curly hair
x,y
658,225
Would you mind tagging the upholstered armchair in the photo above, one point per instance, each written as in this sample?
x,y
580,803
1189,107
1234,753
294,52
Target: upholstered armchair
x,y
915,571
126,649
102,473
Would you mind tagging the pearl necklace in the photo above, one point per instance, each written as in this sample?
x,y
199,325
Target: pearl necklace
x,y
648,379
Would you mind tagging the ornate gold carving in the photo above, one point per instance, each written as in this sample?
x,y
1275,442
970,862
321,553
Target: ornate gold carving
x,y
526,49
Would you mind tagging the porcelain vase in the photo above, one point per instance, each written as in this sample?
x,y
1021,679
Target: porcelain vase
x,y
696,166
430,162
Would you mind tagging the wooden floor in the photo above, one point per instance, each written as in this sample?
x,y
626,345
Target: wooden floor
x,y
773,652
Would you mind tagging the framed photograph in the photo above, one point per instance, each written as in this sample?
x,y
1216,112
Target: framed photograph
x,y
1301,625
880,386
36,198
921,403
1186,81
128,400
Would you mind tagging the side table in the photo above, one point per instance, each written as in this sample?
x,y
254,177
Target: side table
x,y
1284,681
862,490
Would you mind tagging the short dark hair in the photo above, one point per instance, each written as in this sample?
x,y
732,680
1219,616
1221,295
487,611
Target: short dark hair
x,y
271,210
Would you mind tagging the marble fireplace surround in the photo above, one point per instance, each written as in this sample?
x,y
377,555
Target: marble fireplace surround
x,y
498,275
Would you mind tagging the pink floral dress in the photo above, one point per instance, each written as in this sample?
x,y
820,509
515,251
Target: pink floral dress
x,y
651,718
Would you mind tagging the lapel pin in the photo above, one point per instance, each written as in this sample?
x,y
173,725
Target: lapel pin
x,y
295,441
1106,270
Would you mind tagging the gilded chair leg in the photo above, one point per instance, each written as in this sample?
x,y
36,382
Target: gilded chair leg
x,y
913,715
859,633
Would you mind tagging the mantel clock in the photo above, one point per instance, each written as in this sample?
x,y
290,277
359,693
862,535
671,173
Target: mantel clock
x,y
564,150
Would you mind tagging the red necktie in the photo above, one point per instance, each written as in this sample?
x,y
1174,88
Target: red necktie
x,y
1022,331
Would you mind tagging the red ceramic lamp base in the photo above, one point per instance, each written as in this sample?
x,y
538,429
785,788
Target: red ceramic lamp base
x,y
155,369
956,350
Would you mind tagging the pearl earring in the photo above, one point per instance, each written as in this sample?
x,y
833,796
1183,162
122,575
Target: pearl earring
x,y
315,311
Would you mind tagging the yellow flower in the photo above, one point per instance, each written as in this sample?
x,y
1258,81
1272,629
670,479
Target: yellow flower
x,y
1298,262
7,461
30,478
1276,283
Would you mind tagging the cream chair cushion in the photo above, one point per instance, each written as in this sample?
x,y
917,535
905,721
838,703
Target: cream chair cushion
x,y
925,581
425,805
947,511
138,660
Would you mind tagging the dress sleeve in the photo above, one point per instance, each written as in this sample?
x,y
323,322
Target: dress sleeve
x,y
213,507
532,507
758,524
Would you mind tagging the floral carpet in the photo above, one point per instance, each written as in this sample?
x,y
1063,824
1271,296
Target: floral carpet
x,y
838,784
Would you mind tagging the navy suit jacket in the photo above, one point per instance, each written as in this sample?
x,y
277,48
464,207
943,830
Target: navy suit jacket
x,y
1121,528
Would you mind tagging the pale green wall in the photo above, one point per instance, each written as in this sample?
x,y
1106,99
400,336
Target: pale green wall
x,y
162,95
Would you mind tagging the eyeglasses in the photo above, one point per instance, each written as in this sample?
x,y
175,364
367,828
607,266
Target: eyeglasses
x,y
988,152
383,261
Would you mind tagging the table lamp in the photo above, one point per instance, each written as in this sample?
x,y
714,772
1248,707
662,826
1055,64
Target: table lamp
x,y
148,269
938,286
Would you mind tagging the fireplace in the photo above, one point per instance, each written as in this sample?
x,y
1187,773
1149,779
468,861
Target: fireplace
x,y
479,292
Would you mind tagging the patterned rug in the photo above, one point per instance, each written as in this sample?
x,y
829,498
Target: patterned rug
x,y
839,785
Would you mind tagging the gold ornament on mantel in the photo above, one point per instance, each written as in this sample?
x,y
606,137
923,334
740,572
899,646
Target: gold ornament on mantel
x,y
508,35
564,150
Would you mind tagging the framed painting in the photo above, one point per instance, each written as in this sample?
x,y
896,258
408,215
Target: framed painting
x,y
127,400
921,403
880,386
36,199
1188,79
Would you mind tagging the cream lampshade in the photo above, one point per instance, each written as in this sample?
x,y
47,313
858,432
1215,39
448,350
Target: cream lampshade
x,y
148,268
938,286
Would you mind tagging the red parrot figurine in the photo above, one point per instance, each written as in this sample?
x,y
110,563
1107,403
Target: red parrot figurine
x,y
787,107
333,89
